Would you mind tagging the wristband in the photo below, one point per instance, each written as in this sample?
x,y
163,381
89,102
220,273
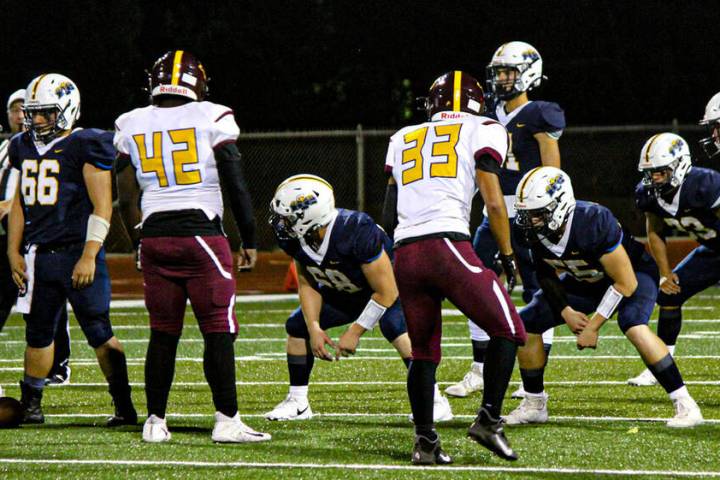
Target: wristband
x,y
370,316
97,229
609,302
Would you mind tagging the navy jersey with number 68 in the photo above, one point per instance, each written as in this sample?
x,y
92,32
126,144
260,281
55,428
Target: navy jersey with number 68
x,y
592,232
352,240
521,124
55,200
692,209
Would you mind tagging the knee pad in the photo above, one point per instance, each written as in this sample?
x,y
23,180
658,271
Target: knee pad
x,y
39,336
97,331
295,325
392,323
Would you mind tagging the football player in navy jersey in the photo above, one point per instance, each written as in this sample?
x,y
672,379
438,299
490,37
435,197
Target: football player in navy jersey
x,y
345,277
677,195
711,121
603,269
61,212
534,128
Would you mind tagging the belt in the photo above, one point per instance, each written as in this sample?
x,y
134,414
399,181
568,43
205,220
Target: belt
x,y
59,247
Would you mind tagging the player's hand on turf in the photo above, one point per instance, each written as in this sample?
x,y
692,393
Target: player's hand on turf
x,y
671,284
348,343
84,272
246,259
17,267
588,338
576,321
508,265
318,340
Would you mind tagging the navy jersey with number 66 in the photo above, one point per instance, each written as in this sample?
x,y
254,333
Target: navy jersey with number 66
x,y
352,240
692,209
55,200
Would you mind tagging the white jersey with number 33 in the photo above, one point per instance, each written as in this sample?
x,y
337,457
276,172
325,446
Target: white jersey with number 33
x,y
172,152
433,164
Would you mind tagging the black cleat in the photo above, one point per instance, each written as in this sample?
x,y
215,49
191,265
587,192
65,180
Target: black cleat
x,y
429,453
30,401
125,413
489,433
61,376
128,417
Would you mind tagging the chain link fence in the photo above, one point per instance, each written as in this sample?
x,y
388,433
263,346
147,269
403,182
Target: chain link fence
x,y
602,161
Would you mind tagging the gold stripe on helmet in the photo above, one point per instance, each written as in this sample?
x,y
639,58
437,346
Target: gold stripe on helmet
x,y
527,179
457,83
650,144
37,84
304,177
177,62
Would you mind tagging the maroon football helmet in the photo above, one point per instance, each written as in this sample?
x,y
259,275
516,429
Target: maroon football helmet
x,y
178,73
455,91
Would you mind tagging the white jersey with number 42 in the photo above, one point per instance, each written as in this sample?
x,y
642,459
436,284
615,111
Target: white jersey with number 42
x,y
433,164
172,152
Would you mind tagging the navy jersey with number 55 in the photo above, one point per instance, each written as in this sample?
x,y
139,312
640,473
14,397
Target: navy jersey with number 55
x,y
592,232
352,240
692,209
521,124
55,200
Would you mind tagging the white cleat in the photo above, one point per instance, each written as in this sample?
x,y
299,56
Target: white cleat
x,y
519,393
2,394
687,414
233,430
441,410
471,382
292,408
645,379
532,409
155,430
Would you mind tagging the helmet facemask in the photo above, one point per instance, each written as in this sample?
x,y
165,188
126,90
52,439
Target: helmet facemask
x,y
541,222
56,122
508,87
665,188
711,143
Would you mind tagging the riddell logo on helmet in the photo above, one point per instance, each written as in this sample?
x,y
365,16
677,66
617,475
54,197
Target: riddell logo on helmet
x,y
451,115
173,90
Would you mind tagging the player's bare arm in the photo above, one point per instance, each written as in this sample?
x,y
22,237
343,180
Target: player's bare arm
x,y
669,282
549,150
381,279
99,186
618,267
129,198
16,227
311,304
492,195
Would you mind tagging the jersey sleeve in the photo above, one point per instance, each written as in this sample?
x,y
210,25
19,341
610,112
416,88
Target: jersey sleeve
x,y
489,139
96,148
605,233
707,195
390,157
223,127
367,240
120,138
549,118
13,152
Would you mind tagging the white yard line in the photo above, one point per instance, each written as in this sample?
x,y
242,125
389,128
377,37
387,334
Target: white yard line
x,y
360,467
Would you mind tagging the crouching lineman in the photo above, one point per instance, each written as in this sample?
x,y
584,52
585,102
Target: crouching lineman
x,y
675,194
181,150
603,269
437,167
62,211
345,274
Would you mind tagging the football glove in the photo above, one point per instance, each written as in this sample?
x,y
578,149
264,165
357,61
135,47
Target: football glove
x,y
508,265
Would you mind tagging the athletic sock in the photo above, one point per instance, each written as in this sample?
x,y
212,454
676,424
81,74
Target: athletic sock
x,y
496,374
669,325
299,391
533,379
118,382
667,374
421,388
159,370
34,382
219,367
299,369
407,361
479,348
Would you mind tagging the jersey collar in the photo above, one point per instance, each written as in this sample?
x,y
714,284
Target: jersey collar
x,y
504,117
43,148
319,255
559,248
672,207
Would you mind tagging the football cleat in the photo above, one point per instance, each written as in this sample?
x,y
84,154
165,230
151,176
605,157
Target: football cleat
x,y
233,430
30,400
123,417
59,378
426,452
519,393
471,382
532,409
489,433
441,410
292,408
155,430
645,379
687,413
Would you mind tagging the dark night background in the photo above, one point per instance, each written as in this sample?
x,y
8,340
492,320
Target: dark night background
x,y
333,64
